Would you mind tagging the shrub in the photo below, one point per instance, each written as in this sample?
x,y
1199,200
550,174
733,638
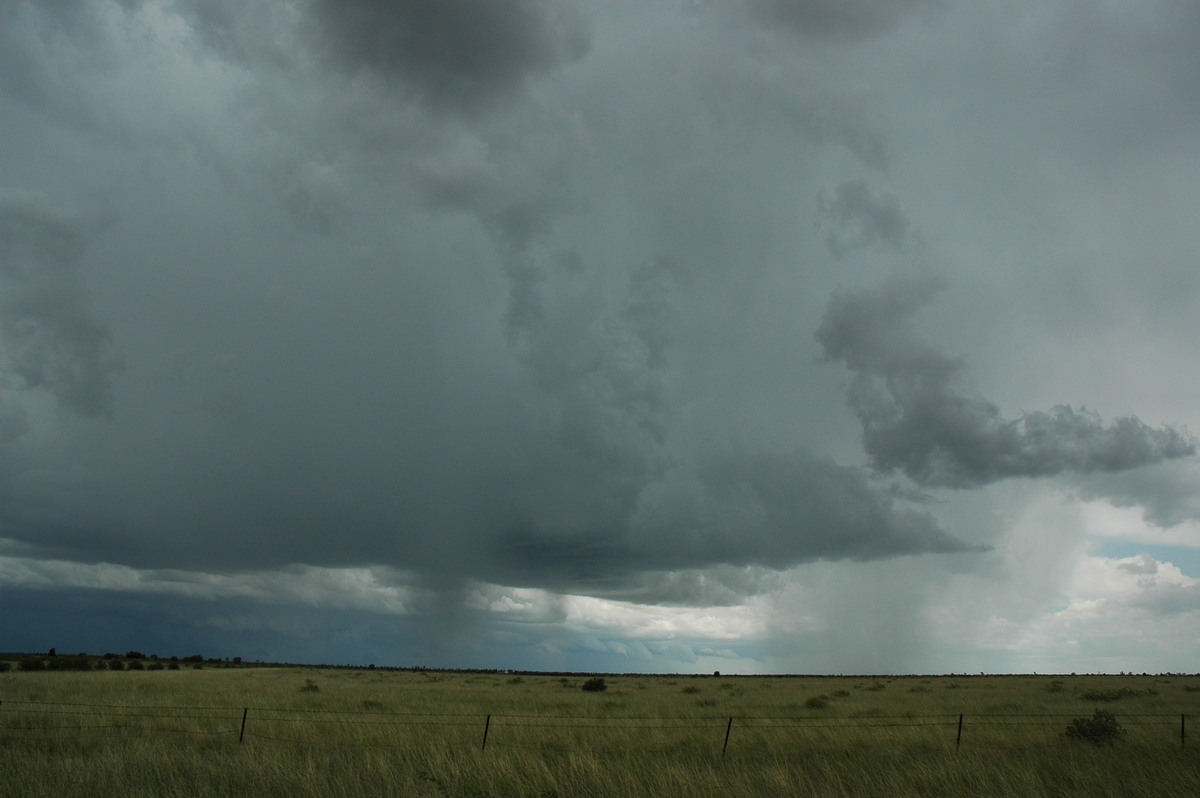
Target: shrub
x,y
595,685
5,666
817,702
116,664
1055,686
1100,729
309,686
691,688
1111,695
31,664
136,665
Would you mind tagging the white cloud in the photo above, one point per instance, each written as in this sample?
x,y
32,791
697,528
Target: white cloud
x,y
1103,520
597,617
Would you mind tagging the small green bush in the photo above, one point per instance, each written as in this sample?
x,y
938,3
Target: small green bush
x,y
1112,695
690,689
816,702
5,666
31,664
595,685
1100,729
309,686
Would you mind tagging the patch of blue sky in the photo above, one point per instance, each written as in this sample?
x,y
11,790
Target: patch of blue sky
x,y
1186,558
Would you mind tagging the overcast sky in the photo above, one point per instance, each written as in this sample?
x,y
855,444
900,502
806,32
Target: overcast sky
x,y
820,336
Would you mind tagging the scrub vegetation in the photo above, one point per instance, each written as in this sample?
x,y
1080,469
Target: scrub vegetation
x,y
371,732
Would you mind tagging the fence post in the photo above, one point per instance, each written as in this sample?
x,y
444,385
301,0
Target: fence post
x,y
958,737
728,728
487,724
1182,731
242,733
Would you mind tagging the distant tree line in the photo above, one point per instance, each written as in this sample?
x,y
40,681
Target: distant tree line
x,y
131,660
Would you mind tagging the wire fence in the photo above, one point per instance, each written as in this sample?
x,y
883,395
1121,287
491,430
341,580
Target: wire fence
x,y
386,728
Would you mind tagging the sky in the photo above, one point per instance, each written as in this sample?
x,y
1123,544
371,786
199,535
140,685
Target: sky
x,y
760,336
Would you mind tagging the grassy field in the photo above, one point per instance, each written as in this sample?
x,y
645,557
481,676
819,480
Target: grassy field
x,y
312,732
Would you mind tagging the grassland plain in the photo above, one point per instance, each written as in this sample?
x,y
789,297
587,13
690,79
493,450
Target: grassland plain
x,y
344,732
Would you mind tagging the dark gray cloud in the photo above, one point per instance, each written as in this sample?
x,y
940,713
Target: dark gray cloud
x,y
855,217
457,55
1166,493
769,510
919,419
837,19
49,337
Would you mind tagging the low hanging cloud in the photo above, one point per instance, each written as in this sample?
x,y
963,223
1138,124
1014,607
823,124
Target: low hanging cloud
x,y
1166,493
49,337
772,511
918,419
460,55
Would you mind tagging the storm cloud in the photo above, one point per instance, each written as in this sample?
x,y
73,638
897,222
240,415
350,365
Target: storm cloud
x,y
918,418
482,333
456,55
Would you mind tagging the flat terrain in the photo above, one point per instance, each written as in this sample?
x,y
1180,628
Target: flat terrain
x,y
221,731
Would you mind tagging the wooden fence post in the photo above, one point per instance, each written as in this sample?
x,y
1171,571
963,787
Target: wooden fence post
x,y
958,737
487,724
728,728
242,733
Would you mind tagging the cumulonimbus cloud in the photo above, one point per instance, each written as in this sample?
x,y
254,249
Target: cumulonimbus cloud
x,y
917,419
